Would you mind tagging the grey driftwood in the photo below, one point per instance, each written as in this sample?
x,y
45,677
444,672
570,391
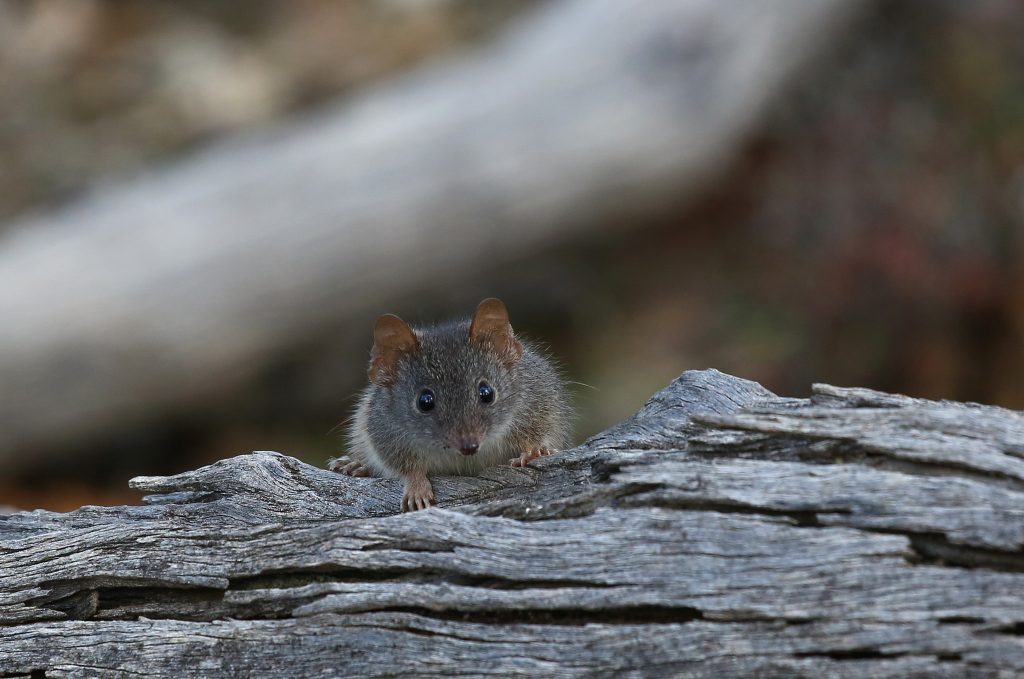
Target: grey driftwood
x,y
163,292
720,531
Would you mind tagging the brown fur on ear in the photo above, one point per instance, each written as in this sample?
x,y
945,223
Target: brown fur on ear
x,y
392,341
490,328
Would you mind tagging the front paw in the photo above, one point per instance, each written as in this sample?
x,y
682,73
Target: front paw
x,y
529,455
419,494
346,465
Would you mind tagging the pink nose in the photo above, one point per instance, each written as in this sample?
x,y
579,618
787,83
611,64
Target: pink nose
x,y
469,447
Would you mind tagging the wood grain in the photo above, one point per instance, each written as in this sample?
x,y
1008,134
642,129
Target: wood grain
x,y
722,531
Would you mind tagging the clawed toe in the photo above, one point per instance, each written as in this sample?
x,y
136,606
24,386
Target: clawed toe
x,y
346,465
527,456
413,503
355,469
419,494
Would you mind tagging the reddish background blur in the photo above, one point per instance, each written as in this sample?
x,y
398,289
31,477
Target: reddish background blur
x,y
870,234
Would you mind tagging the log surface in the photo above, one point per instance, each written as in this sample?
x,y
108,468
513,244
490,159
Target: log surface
x,y
721,530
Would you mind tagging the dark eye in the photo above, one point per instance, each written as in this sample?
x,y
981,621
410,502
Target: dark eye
x,y
425,401
486,393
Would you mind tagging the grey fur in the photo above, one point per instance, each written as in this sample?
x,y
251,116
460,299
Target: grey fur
x,y
531,409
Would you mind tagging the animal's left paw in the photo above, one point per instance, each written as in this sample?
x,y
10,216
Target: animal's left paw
x,y
527,456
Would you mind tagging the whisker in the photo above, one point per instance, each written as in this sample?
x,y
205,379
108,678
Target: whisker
x,y
336,429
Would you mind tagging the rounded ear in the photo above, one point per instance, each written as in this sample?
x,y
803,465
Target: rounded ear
x,y
491,329
393,340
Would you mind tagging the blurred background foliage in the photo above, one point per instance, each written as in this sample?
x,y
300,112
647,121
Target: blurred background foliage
x,y
870,233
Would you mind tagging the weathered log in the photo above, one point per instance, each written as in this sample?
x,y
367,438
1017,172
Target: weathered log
x,y
720,531
171,288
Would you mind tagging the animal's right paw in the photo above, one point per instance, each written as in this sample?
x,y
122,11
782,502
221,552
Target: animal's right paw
x,y
346,465
419,494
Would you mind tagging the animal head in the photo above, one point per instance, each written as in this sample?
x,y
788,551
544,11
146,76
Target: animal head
x,y
451,386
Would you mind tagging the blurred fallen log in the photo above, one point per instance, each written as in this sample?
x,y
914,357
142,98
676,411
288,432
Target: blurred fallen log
x,y
178,285
721,531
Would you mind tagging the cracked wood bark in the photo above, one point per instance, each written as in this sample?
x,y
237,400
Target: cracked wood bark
x,y
171,288
720,531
